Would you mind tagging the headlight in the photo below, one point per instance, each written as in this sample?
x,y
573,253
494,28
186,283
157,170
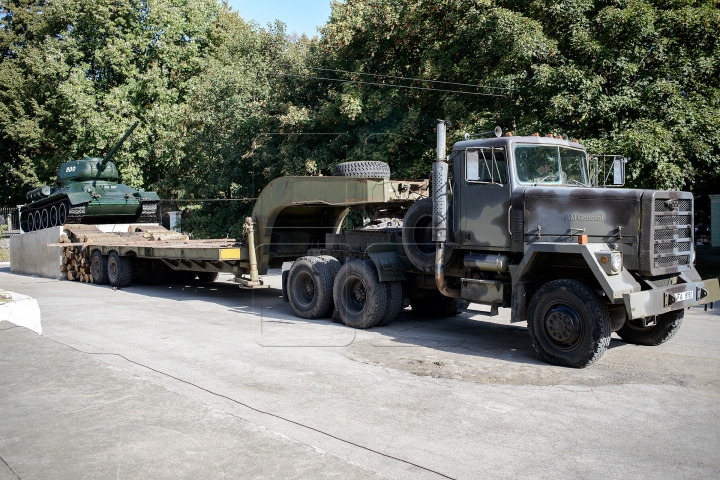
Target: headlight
x,y
616,262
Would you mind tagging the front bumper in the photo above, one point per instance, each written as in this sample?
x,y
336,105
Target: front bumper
x,y
667,299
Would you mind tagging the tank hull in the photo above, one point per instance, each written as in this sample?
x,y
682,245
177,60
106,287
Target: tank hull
x,y
101,203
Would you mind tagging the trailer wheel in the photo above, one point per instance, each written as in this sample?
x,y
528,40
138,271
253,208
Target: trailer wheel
x,y
120,270
394,303
568,323
310,287
666,327
360,298
99,268
208,277
362,170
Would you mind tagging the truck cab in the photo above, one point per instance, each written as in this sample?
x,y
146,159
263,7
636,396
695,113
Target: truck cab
x,y
524,225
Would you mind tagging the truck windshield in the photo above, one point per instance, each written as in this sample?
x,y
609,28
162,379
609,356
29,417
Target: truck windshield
x,y
551,165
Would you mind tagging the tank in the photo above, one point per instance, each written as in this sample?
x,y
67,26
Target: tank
x,y
87,191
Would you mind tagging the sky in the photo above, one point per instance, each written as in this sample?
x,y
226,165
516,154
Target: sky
x,y
300,16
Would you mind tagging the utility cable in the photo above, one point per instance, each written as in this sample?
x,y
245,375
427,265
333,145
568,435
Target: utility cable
x,y
390,85
394,77
258,410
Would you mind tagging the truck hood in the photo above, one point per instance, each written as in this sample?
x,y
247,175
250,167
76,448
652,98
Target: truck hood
x,y
603,214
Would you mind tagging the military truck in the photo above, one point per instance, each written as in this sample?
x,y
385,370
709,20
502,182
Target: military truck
x,y
87,191
519,224
512,221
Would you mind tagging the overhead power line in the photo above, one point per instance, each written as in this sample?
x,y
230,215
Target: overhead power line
x,y
393,85
395,77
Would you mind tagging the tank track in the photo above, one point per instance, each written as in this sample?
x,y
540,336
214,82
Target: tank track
x,y
148,213
76,213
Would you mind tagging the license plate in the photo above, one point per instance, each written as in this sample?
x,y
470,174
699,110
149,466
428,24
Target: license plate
x,y
689,295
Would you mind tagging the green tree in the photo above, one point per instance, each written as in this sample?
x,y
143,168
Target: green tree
x,y
633,77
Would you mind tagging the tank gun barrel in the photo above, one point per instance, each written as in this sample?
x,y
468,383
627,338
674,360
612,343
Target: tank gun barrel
x,y
116,147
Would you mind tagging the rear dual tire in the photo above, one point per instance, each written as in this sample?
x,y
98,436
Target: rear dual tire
x,y
310,288
360,298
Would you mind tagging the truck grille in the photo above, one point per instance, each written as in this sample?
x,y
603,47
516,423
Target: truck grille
x,y
672,226
661,205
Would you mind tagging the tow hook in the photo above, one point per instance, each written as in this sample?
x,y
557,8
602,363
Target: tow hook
x,y
649,321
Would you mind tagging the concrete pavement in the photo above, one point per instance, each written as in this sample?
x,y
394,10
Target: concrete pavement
x,y
465,397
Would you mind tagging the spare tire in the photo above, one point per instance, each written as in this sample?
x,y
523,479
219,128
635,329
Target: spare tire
x,y
417,235
362,170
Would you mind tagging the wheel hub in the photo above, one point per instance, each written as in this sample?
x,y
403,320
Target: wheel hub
x,y
359,293
562,325
310,288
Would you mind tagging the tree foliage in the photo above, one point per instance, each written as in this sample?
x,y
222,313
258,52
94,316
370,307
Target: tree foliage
x,y
226,106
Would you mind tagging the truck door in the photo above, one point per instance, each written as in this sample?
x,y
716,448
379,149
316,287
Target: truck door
x,y
485,199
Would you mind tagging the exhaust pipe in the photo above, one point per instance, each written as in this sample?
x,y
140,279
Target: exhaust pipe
x,y
440,211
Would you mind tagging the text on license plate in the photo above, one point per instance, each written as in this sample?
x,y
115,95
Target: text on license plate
x,y
689,295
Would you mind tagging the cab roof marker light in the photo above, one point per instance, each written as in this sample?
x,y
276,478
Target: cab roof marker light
x,y
536,134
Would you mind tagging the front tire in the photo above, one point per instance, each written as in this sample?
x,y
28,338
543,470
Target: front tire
x,y
120,270
568,323
666,327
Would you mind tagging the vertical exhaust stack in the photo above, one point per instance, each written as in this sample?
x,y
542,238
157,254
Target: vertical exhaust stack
x,y
439,185
440,210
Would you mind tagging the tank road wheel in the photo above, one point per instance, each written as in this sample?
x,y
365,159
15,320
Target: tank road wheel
x,y
99,268
394,302
54,216
417,235
568,323
208,277
45,218
666,327
120,270
36,220
29,222
62,213
360,298
310,288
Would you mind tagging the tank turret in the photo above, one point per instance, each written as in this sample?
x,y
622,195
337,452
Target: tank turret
x,y
87,191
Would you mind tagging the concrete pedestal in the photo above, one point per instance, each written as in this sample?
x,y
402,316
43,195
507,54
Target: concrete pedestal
x,y
30,254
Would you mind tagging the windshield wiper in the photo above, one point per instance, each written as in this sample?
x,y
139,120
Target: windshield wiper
x,y
545,178
577,182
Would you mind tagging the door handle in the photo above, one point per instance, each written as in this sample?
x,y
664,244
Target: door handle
x,y
509,222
